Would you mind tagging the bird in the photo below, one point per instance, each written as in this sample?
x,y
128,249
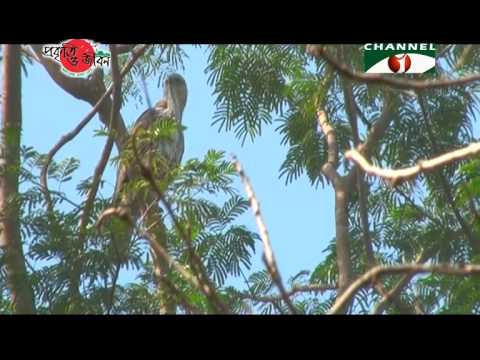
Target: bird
x,y
168,151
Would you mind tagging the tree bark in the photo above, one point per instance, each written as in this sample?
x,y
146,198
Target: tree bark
x,y
342,237
10,238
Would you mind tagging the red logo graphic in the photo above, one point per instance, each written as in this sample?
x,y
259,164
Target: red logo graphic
x,y
78,57
399,63
71,59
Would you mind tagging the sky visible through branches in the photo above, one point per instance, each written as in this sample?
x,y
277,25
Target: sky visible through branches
x,y
299,217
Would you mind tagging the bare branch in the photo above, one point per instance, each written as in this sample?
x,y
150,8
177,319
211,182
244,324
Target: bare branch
x,y
320,52
378,271
268,256
397,176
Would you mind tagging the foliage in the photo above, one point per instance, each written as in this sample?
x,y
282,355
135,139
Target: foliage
x,y
436,217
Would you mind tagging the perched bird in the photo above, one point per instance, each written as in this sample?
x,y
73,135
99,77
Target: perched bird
x,y
168,151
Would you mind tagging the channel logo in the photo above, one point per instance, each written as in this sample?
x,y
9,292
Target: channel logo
x,y
399,58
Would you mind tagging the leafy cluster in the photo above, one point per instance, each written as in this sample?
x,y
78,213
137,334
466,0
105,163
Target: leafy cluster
x,y
54,253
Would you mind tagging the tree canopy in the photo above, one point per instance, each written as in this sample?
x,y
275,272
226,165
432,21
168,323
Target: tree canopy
x,y
407,240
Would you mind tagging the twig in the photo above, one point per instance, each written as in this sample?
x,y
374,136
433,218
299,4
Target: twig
x,y
398,176
72,134
379,271
268,257
320,52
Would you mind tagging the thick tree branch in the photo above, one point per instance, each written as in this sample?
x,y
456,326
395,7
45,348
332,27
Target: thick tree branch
x,y
10,237
320,52
329,168
268,255
396,177
329,132
341,201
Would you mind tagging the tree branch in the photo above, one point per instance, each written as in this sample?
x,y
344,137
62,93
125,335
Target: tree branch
x,y
341,200
395,292
395,177
10,237
329,168
268,255
415,269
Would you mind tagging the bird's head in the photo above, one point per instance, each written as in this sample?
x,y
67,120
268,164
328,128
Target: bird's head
x,y
175,92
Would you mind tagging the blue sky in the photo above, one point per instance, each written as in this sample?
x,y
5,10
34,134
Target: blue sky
x,y
300,218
